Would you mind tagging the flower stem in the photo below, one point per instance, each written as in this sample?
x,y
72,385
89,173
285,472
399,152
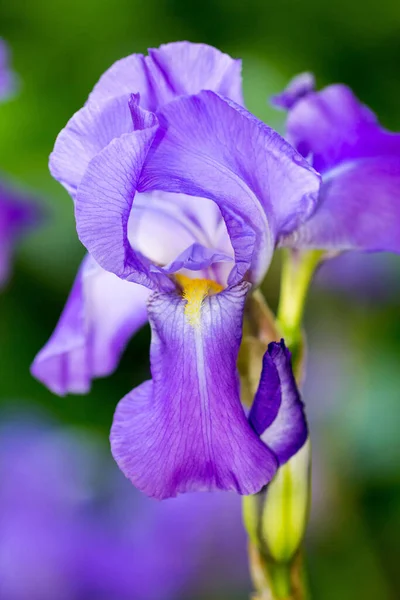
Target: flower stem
x,y
297,271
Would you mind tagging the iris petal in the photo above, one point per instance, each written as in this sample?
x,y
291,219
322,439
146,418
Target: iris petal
x,y
212,148
277,414
359,207
100,316
186,429
179,68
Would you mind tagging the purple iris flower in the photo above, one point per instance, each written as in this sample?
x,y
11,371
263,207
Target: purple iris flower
x,y
185,193
65,537
359,206
7,77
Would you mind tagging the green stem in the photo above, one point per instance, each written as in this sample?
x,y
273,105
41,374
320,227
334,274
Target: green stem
x,y
297,271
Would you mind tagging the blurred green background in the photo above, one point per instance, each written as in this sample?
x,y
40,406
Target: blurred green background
x,y
59,51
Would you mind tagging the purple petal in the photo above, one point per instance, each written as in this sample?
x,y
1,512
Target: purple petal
x,y
359,199
179,68
214,149
89,131
100,316
8,80
187,69
298,87
277,414
128,75
359,209
194,258
103,206
333,126
186,430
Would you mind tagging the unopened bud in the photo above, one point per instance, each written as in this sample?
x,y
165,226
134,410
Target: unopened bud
x,y
276,518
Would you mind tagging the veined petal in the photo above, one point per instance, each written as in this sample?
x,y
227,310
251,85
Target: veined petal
x,y
103,206
212,148
359,209
186,68
277,414
179,68
186,429
100,316
128,75
89,131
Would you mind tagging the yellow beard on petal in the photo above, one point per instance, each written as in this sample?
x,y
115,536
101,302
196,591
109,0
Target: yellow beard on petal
x,y
194,291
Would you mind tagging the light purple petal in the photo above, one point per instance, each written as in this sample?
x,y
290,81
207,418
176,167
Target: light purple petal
x,y
103,206
89,131
277,414
299,86
8,82
186,429
194,258
174,69
101,315
162,226
214,149
186,68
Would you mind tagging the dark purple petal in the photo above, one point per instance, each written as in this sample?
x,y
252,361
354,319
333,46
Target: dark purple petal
x,y
298,87
8,80
186,429
103,206
179,68
277,414
89,131
101,315
359,209
195,258
213,149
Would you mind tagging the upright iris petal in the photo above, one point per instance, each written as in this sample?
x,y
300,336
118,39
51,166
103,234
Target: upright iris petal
x,y
359,204
171,70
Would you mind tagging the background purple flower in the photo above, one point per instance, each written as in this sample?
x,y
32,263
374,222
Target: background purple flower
x,y
76,539
17,216
359,206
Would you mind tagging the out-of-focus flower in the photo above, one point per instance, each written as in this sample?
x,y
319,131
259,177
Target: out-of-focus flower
x,y
17,216
365,278
216,190
7,76
359,206
65,538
